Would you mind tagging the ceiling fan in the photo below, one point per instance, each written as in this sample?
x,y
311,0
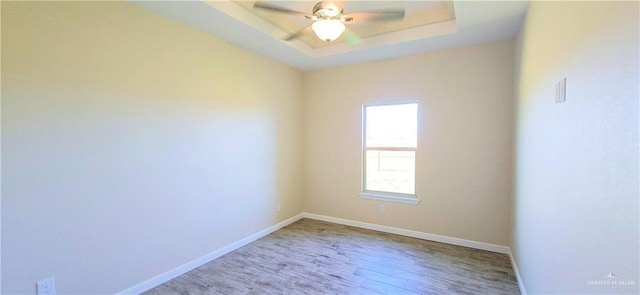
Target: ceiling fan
x,y
329,19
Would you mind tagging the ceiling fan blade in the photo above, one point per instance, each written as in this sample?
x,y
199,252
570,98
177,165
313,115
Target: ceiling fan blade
x,y
373,16
265,6
297,34
351,38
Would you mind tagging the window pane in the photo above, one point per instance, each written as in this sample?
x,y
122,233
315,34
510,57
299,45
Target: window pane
x,y
391,125
391,171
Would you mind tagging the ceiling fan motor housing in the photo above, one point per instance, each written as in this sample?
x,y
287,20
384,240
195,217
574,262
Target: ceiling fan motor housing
x,y
327,10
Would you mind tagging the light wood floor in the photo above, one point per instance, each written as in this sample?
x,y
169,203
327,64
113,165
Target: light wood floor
x,y
314,257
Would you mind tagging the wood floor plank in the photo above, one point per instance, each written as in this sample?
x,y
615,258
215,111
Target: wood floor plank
x,y
314,257
386,288
379,277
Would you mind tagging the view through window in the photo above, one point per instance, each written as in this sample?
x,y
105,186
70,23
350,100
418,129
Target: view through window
x,y
389,147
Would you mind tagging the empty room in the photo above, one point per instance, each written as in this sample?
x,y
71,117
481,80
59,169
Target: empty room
x,y
306,147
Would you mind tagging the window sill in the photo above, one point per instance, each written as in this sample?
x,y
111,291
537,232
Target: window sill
x,y
381,197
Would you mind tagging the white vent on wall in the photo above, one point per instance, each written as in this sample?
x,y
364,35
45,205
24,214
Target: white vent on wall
x,y
561,91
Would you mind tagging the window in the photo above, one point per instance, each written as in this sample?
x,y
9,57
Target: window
x,y
390,137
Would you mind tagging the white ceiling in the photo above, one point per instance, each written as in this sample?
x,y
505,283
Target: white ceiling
x,y
474,22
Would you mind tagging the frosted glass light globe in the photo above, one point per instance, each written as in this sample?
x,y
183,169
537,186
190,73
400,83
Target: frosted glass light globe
x,y
328,29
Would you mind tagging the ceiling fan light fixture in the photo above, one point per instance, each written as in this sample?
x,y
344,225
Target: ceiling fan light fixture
x,y
328,29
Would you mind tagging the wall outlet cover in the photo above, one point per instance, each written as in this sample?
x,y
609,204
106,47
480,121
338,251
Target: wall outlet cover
x,y
46,287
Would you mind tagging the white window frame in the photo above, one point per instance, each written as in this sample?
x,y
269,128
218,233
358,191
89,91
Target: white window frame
x,y
382,195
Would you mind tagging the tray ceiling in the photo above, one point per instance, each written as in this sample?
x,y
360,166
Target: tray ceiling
x,y
427,26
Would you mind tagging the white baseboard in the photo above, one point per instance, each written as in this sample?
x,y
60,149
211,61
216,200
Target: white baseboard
x,y
162,278
523,291
411,233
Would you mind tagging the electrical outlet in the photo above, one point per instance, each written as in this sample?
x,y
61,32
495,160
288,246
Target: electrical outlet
x,y
278,207
46,287
381,209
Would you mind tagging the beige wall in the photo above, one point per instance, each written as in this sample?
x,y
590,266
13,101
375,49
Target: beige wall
x,y
133,144
464,147
576,201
